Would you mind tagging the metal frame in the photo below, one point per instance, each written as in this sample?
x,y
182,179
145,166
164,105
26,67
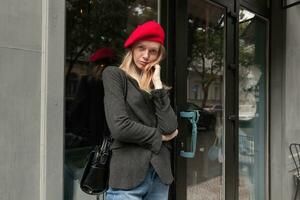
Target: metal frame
x,y
262,10
286,5
167,21
180,85
267,111
231,103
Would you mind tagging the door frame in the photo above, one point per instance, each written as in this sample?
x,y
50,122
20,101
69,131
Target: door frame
x,y
176,11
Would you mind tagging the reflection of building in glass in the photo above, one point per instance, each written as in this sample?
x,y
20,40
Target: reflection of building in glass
x,y
195,91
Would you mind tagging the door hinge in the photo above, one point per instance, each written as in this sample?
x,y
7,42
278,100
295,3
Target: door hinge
x,y
233,118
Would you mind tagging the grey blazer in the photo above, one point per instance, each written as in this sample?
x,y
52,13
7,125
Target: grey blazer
x,y
136,125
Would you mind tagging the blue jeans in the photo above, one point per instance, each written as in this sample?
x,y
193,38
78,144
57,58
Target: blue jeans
x,y
150,189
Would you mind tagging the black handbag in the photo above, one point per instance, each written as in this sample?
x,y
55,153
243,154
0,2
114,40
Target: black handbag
x,y
94,180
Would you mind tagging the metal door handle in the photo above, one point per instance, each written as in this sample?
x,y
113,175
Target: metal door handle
x,y
193,117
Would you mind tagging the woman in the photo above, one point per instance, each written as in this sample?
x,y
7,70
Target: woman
x,y
140,119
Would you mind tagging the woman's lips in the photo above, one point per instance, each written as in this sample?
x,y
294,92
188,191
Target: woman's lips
x,y
143,63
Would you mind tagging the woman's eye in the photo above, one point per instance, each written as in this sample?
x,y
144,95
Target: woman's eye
x,y
140,48
153,52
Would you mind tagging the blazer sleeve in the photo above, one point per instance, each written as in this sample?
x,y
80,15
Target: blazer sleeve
x,y
166,117
122,128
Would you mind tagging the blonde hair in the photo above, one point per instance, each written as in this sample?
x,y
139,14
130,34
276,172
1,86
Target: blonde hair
x,y
145,81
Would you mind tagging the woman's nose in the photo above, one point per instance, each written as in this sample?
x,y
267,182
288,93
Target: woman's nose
x,y
146,55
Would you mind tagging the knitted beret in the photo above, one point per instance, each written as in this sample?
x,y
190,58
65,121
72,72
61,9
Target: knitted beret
x,y
149,31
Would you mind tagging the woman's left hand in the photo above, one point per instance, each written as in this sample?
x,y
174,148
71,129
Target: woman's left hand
x,y
156,77
169,137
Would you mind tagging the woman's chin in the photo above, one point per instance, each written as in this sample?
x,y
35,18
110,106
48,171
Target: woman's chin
x,y
141,67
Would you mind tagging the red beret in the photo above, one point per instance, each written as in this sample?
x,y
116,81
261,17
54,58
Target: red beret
x,y
102,53
149,31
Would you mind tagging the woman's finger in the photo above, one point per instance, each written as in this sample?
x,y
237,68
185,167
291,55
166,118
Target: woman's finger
x,y
175,133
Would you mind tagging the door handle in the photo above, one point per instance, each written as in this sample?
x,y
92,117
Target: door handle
x,y
193,117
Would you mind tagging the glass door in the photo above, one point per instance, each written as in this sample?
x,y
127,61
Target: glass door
x,y
201,102
252,106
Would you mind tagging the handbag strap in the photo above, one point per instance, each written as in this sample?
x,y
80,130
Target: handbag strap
x,y
124,77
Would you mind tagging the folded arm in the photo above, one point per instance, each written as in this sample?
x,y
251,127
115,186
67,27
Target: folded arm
x,y
166,117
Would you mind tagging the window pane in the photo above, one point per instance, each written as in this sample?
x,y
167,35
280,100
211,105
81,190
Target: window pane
x,y
252,106
205,93
92,25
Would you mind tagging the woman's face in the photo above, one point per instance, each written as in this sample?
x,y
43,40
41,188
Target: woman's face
x,y
145,53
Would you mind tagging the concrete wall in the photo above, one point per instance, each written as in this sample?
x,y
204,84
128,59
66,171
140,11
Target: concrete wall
x,y
20,97
291,94
31,103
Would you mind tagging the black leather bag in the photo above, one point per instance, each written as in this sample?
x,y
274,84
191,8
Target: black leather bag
x,y
94,180
95,176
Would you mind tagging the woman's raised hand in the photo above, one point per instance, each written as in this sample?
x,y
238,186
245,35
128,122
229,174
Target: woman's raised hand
x,y
156,77
170,137
156,74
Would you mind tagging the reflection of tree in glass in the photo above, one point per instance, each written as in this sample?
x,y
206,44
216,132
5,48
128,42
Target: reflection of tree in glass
x,y
247,61
141,11
206,54
246,46
92,24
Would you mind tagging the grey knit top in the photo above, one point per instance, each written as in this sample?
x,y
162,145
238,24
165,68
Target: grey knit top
x,y
136,124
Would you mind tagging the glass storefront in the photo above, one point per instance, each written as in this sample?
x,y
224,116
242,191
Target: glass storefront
x,y
90,26
252,106
93,25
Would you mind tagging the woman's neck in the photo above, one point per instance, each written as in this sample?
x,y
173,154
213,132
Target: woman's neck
x,y
136,73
